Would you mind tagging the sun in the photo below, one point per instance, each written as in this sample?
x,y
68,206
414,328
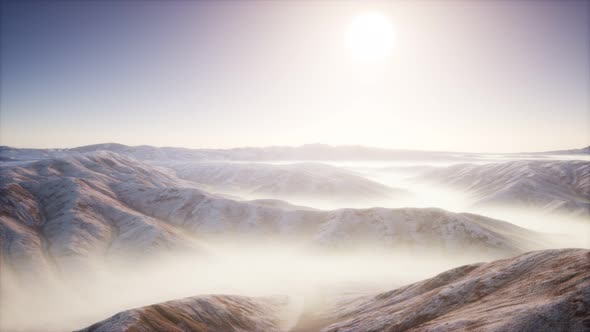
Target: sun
x,y
370,37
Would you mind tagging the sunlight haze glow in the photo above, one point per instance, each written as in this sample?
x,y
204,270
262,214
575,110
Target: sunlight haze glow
x,y
479,76
370,37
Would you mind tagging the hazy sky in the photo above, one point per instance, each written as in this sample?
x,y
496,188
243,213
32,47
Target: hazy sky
x,y
467,75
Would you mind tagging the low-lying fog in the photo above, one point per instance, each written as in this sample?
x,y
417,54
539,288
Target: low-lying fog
x,y
570,230
233,267
80,299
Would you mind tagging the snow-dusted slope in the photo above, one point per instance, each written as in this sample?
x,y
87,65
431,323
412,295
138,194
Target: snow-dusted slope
x,y
66,210
551,185
213,313
59,212
538,291
290,181
339,228
203,214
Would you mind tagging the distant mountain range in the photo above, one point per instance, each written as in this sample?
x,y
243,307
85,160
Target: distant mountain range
x,y
304,152
310,152
585,150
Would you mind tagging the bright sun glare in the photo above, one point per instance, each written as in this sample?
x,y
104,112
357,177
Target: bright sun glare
x,y
370,37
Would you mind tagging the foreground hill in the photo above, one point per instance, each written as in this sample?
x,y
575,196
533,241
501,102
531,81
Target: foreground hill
x,y
59,212
550,185
538,291
200,314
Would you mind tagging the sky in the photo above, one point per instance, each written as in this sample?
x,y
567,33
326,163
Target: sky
x,y
478,76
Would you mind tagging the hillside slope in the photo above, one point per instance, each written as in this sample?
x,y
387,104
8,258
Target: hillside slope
x,y
290,181
551,185
200,314
538,291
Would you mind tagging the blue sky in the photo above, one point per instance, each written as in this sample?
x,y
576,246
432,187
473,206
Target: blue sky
x,y
472,76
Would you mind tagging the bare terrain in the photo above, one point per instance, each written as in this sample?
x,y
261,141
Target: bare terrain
x,y
147,225
538,291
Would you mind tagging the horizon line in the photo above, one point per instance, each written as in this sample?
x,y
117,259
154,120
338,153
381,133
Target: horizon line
x,y
296,147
